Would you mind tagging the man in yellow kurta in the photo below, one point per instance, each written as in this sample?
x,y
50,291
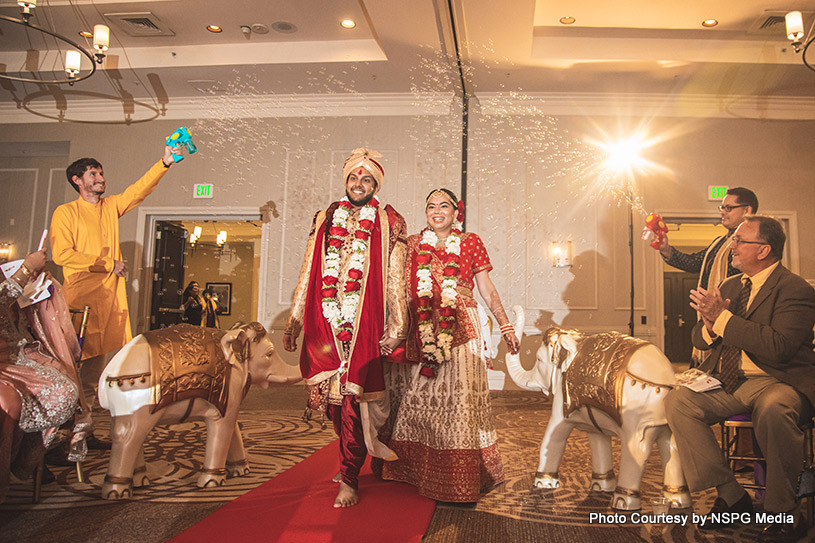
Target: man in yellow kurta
x,y
85,242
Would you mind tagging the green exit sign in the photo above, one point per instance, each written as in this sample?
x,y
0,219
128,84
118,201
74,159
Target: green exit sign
x,y
202,191
715,192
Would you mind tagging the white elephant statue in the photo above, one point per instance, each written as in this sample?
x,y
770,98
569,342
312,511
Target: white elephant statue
x,y
604,384
183,373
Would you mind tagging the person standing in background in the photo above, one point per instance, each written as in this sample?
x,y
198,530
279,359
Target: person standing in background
x,y
193,304
714,263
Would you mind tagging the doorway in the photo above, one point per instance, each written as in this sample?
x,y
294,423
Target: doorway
x,y
225,255
679,315
225,262
222,256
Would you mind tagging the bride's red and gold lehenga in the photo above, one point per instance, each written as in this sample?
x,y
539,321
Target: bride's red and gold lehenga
x,y
442,426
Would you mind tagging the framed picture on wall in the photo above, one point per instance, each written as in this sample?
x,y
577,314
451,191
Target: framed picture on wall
x,y
224,293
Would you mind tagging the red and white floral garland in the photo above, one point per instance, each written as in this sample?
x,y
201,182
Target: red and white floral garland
x,y
437,345
342,317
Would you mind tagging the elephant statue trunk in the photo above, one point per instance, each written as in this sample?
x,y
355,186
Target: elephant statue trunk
x,y
604,384
526,379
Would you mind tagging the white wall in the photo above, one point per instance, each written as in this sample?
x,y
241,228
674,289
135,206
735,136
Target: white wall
x,y
531,182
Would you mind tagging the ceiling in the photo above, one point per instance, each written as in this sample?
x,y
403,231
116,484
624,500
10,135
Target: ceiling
x,y
401,48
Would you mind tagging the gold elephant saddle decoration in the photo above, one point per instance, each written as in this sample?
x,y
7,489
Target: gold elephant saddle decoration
x,y
596,375
188,362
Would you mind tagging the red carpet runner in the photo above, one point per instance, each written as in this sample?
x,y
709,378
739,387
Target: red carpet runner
x,y
297,507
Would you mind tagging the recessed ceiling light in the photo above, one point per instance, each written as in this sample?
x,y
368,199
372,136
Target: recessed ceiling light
x,y
567,20
86,34
348,23
709,23
215,28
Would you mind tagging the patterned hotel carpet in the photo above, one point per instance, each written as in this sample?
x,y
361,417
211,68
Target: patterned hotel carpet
x,y
274,442
515,512
276,439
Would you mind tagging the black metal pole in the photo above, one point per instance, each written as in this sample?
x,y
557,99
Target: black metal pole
x,y
465,110
631,259
465,130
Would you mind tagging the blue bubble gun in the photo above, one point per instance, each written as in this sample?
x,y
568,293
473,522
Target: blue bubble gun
x,y
181,137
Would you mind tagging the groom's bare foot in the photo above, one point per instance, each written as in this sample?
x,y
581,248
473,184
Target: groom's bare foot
x,y
337,478
346,497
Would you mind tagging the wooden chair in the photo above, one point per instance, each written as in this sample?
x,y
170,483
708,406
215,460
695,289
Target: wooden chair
x,y
83,325
730,429
80,319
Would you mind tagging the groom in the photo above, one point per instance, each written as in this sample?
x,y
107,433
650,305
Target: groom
x,y
350,305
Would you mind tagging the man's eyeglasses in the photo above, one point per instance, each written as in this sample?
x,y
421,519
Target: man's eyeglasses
x,y
728,209
735,240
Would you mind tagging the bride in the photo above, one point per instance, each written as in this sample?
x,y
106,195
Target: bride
x,y
442,428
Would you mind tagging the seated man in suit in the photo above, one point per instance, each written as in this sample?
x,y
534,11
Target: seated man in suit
x,y
758,327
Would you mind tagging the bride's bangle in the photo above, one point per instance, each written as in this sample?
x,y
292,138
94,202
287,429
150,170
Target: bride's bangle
x,y
507,329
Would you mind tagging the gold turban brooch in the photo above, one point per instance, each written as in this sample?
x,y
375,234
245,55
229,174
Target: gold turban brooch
x,y
364,158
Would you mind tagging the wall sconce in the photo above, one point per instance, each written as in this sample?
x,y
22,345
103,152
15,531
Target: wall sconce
x,y
561,254
196,233
795,29
6,250
221,239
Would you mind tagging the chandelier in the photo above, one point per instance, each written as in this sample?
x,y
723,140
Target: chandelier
x,y
73,57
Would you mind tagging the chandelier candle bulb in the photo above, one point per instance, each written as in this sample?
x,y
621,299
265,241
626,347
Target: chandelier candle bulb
x,y
795,25
101,38
27,6
72,60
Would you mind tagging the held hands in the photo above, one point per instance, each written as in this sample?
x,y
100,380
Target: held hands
x,y
709,304
388,344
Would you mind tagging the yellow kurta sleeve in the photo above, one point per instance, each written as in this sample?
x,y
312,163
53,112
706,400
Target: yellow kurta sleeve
x,y
138,191
64,229
298,305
